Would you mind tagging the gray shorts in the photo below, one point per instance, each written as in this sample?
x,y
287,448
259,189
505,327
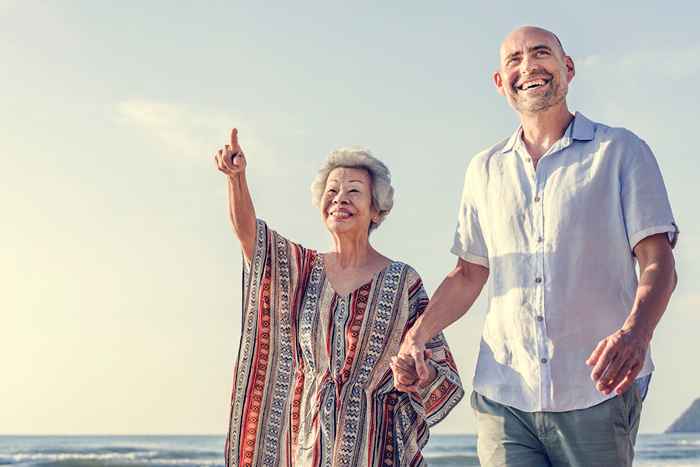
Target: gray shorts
x,y
600,436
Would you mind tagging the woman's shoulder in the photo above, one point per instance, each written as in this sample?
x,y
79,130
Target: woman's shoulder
x,y
412,276
265,230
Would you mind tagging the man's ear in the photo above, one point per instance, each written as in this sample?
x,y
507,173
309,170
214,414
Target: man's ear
x,y
570,68
498,82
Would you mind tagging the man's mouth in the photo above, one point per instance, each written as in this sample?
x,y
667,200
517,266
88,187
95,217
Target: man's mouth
x,y
534,83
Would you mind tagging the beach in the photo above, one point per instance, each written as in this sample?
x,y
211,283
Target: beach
x,y
657,450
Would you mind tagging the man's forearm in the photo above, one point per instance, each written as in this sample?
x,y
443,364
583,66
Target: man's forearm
x,y
453,298
656,283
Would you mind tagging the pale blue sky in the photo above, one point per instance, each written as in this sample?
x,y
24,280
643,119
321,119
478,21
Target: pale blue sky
x,y
120,297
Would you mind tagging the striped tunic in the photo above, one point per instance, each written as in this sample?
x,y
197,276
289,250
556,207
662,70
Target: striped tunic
x,y
312,384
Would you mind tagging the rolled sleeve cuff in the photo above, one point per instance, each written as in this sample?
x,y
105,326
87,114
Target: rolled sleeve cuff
x,y
671,230
470,257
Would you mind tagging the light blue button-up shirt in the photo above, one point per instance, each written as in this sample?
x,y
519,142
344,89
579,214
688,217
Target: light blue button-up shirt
x,y
558,243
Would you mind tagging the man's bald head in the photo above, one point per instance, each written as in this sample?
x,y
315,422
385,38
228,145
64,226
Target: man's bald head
x,y
522,31
534,71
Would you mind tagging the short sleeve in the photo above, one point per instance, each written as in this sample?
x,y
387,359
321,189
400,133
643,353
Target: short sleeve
x,y
438,398
645,205
469,241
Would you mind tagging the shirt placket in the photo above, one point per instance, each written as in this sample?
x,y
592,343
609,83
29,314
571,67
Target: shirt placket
x,y
536,238
539,315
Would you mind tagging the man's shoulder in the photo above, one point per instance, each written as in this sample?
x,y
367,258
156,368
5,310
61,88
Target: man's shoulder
x,y
482,158
615,134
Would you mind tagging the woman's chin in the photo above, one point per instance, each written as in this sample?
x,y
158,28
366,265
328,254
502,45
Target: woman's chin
x,y
344,226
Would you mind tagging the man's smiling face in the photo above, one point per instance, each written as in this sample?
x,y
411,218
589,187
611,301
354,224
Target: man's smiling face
x,y
534,72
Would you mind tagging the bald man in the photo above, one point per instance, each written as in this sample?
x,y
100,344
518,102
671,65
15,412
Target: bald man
x,y
558,215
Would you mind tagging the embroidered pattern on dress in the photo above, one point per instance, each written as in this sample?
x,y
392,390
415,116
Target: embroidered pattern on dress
x,y
246,346
355,403
282,384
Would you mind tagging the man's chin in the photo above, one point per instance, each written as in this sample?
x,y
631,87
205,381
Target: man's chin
x,y
532,105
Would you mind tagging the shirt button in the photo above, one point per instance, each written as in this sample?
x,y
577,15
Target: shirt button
x,y
540,239
537,199
540,318
538,279
544,360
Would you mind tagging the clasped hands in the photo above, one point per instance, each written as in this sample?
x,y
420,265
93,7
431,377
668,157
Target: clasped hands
x,y
410,368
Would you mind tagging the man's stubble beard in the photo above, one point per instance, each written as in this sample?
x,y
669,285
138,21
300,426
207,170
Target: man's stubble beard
x,y
554,96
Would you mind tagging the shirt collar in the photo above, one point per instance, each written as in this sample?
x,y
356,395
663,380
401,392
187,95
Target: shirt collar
x,y
580,129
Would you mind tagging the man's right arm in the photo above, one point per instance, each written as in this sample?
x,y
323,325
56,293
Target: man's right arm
x,y
453,298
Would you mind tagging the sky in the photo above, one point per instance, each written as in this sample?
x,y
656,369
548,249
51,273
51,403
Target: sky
x,y
120,296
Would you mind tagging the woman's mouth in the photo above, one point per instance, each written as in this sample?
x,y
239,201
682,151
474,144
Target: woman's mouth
x,y
341,215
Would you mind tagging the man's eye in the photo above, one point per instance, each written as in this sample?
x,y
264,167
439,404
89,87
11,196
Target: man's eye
x,y
331,190
354,190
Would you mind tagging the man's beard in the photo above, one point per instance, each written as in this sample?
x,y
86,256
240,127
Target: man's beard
x,y
550,98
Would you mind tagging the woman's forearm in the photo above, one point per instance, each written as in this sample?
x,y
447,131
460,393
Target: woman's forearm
x,y
242,213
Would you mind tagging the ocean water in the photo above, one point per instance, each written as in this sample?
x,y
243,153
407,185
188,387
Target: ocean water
x,y
196,451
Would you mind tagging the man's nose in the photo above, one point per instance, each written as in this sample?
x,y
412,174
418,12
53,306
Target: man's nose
x,y
527,65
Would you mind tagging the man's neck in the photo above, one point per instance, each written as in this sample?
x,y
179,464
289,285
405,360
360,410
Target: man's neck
x,y
542,129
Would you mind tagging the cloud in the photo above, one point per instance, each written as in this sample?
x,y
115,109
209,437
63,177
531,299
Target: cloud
x,y
191,133
8,6
670,63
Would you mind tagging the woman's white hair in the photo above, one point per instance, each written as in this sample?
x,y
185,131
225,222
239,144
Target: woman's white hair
x,y
358,158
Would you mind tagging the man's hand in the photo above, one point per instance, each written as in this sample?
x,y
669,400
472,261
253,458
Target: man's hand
x,y
405,375
617,360
411,373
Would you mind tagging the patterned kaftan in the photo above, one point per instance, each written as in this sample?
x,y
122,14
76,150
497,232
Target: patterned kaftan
x,y
312,385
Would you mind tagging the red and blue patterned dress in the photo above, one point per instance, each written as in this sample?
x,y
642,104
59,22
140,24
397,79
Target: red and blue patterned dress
x,y
312,384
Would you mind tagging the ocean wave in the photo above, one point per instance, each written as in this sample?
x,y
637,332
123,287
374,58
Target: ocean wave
x,y
113,456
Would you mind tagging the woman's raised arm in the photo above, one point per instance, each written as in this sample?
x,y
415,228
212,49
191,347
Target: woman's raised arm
x,y
231,161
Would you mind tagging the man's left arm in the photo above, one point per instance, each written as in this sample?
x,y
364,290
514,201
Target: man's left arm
x,y
618,359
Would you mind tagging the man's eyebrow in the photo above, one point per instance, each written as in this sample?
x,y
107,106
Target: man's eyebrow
x,y
537,47
534,48
512,55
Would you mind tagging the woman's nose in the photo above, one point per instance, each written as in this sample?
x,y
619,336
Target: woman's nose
x,y
340,198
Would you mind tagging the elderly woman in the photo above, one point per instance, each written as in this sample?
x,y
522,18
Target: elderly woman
x,y
313,384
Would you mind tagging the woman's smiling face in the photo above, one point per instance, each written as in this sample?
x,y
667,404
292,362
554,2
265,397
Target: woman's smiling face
x,y
346,204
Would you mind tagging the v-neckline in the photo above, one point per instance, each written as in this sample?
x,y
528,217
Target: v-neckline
x,y
372,278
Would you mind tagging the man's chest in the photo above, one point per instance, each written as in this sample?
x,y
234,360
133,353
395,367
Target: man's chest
x,y
567,191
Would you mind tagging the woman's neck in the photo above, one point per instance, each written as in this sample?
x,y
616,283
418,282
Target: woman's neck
x,y
352,251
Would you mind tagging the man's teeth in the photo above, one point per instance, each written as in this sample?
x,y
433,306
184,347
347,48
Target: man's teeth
x,y
343,215
532,84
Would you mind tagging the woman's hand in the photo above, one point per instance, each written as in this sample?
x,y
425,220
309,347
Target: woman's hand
x,y
230,159
406,378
